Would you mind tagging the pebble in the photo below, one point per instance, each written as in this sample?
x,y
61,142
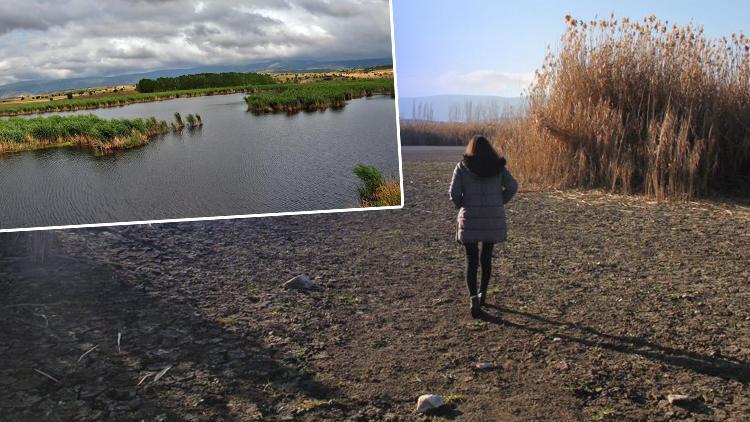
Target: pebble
x,y
678,398
562,365
427,402
482,366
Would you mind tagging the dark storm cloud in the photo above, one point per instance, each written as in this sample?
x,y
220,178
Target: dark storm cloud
x,y
30,16
10,22
122,53
69,38
330,8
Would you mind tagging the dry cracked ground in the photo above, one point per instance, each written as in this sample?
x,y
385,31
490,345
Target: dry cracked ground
x,y
600,308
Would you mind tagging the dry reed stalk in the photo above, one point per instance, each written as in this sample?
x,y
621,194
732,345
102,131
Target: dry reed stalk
x,y
647,107
87,352
39,371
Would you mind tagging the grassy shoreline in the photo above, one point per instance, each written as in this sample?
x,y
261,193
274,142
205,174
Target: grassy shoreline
x,y
323,93
115,101
292,98
91,132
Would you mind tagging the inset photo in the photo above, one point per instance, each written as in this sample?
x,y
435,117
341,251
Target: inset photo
x,y
163,111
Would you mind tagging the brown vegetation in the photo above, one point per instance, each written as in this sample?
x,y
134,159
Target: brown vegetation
x,y
386,195
532,158
352,74
375,190
630,107
648,107
424,132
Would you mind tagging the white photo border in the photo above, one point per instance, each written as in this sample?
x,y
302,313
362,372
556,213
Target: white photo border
x,y
275,214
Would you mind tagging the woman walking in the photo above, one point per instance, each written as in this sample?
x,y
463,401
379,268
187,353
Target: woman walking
x,y
480,188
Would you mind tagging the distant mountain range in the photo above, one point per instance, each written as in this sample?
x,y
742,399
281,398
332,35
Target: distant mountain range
x,y
293,65
460,108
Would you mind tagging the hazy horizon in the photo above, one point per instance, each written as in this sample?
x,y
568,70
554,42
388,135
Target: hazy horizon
x,y
200,67
460,108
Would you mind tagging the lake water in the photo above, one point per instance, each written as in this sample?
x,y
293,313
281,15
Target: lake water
x,y
238,163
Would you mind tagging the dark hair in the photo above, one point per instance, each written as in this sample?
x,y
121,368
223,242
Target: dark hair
x,y
481,158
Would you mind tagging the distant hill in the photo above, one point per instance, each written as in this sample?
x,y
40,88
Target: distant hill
x,y
458,107
294,65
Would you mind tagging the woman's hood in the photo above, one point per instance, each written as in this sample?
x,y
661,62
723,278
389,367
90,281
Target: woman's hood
x,y
484,167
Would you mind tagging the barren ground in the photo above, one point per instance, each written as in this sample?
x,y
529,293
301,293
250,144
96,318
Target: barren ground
x,y
601,306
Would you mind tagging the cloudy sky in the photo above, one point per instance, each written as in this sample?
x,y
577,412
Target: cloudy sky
x,y
489,47
55,39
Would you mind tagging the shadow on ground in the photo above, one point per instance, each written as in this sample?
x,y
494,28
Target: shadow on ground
x,y
725,368
60,360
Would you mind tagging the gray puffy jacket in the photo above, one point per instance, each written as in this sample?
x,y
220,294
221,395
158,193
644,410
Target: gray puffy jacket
x,y
481,203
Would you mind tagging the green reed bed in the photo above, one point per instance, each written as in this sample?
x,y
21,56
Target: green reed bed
x,y
320,95
101,135
375,190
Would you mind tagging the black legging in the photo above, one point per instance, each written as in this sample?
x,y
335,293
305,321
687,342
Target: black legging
x,y
472,264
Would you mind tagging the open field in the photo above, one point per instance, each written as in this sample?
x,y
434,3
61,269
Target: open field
x,y
94,92
601,306
303,77
85,103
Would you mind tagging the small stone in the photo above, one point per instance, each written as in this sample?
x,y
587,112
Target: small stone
x,y
483,366
427,402
557,339
562,365
300,282
677,399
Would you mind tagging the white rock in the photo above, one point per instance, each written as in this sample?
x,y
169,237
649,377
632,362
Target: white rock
x,y
557,339
301,282
429,402
484,366
678,398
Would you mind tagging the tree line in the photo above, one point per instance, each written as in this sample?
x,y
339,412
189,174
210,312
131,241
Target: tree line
x,y
203,80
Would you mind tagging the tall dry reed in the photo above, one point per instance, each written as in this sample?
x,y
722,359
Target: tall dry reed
x,y
646,107
632,107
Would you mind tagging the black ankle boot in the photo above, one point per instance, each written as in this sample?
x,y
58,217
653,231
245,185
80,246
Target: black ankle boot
x,y
475,308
